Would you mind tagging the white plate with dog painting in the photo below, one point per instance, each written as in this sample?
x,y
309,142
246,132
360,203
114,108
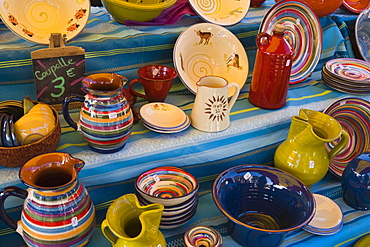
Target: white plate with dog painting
x,y
209,49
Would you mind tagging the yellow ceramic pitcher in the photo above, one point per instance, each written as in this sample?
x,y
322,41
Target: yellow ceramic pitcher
x,y
304,153
128,224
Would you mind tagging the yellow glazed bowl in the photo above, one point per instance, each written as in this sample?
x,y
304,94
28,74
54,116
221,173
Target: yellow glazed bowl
x,y
35,125
136,10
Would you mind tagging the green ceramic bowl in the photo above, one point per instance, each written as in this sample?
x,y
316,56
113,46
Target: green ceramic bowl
x,y
136,10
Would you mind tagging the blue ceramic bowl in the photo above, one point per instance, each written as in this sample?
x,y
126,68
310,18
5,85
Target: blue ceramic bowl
x,y
262,203
356,182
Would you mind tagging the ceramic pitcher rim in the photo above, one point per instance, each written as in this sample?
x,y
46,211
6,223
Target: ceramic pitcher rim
x,y
87,81
310,126
269,231
157,207
32,184
214,76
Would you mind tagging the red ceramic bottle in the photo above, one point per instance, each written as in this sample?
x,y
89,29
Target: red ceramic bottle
x,y
271,74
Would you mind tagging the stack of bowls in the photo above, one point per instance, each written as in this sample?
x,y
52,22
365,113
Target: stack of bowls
x,y
174,188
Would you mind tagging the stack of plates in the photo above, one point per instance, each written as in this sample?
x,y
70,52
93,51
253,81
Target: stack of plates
x,y
164,118
347,75
354,116
328,217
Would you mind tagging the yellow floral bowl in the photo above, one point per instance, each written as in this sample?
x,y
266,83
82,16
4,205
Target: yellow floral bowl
x,y
136,10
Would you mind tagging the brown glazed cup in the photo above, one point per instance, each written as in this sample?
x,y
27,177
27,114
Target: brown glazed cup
x,y
156,81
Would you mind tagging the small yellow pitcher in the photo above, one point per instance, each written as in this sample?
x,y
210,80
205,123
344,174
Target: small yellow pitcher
x,y
128,224
304,153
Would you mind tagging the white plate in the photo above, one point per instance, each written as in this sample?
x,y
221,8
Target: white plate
x,y
35,20
172,131
221,12
208,49
163,115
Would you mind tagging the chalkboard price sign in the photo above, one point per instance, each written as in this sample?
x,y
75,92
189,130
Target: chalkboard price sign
x,y
58,71
56,78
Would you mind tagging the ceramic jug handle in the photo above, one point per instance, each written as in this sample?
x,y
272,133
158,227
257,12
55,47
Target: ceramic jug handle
x,y
342,144
107,233
65,106
235,95
259,39
131,86
5,193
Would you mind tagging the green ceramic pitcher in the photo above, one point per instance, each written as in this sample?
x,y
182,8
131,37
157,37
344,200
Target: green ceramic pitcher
x,y
128,224
305,153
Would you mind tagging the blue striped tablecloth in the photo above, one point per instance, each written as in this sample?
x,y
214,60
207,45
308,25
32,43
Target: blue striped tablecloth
x,y
252,137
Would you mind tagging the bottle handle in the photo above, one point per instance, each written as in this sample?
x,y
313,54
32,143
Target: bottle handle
x,y
65,106
131,86
235,95
342,144
107,232
262,35
5,193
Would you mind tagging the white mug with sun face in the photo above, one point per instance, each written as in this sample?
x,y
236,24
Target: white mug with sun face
x,y
211,110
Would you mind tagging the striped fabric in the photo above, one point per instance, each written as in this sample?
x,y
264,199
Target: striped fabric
x,y
252,137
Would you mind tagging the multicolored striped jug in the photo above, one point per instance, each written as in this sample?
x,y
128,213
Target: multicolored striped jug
x,y
106,118
57,210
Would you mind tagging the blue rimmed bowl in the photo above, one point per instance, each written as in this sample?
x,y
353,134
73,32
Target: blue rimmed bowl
x,y
262,203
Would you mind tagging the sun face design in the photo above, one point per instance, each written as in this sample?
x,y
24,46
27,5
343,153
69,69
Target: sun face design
x,y
216,108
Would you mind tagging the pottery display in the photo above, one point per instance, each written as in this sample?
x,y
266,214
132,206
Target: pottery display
x,y
303,153
272,68
262,204
57,209
106,118
356,182
211,110
128,224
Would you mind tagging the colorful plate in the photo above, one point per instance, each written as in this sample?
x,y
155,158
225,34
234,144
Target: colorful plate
x,y
354,116
208,49
303,31
221,12
35,20
362,34
356,6
350,69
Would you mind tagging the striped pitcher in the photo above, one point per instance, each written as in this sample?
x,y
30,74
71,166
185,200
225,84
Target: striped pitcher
x,y
106,118
57,209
